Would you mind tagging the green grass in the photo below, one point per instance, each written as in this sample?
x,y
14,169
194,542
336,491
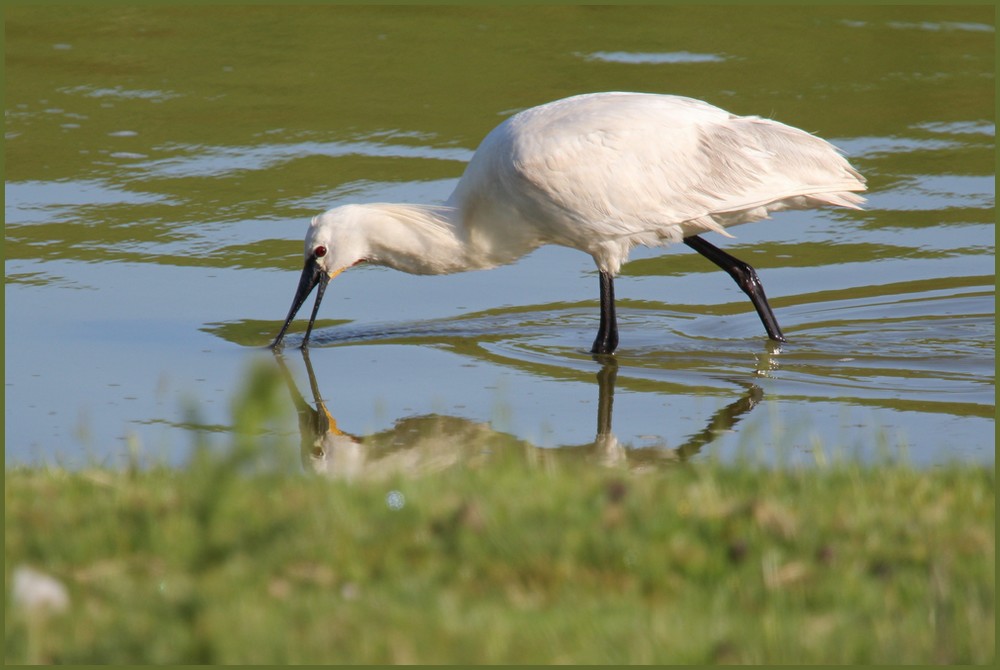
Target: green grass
x,y
242,558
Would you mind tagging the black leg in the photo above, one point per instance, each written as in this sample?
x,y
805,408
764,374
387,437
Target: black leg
x,y
607,333
746,278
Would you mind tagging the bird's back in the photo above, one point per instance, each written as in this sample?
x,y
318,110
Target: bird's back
x,y
607,171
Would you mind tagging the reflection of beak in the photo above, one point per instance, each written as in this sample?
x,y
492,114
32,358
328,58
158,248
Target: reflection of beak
x,y
312,274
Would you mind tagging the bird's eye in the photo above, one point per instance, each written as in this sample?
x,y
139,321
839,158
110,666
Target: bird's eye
x,y
320,251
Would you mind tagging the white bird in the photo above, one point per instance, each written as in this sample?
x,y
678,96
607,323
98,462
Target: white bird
x,y
602,173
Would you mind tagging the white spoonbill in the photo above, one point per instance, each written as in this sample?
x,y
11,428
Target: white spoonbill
x,y
602,173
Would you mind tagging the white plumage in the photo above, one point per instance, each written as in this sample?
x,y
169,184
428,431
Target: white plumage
x,y
601,173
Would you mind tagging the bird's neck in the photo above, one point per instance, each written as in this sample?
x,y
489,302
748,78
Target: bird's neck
x,y
419,239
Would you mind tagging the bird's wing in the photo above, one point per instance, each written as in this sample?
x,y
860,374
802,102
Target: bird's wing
x,y
640,165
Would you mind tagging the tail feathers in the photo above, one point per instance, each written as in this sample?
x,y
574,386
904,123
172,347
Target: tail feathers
x,y
839,199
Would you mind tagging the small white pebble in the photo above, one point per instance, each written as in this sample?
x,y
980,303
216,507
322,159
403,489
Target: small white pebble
x,y
36,591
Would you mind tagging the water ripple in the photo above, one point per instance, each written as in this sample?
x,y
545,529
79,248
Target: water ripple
x,y
652,58
205,161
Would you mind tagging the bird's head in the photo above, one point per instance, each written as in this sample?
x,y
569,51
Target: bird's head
x,y
332,245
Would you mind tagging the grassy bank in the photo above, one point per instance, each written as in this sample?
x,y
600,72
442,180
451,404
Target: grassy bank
x,y
506,560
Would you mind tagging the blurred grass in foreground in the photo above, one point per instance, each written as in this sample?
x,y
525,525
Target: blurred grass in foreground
x,y
243,558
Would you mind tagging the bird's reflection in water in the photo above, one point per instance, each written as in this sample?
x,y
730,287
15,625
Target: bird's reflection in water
x,y
435,442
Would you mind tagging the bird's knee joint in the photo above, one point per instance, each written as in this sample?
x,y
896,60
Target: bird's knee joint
x,y
747,279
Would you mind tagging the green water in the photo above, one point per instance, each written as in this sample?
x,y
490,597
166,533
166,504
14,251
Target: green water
x,y
162,164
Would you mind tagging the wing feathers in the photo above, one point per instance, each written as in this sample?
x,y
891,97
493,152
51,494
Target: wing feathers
x,y
641,167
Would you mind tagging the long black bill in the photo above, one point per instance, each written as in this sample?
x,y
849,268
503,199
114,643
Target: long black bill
x,y
312,274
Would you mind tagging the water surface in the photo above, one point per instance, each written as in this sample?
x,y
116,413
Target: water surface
x,y
162,164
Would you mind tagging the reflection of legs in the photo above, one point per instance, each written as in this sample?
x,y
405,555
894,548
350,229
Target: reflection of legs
x,y
605,393
607,448
722,421
610,449
607,333
746,278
